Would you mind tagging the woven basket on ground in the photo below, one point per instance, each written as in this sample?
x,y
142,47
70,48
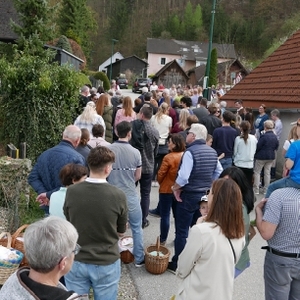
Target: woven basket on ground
x,y
126,256
18,243
157,264
5,238
8,268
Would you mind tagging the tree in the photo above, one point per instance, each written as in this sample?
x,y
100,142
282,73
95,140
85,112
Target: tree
x,y
35,24
63,43
173,26
213,73
76,20
187,24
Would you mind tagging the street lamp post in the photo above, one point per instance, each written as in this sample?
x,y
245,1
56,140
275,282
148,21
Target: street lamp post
x,y
113,41
211,31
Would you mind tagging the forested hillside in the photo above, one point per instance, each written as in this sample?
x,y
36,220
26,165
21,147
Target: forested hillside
x,y
252,25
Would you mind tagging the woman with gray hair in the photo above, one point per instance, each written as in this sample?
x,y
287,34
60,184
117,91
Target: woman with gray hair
x,y
50,246
264,156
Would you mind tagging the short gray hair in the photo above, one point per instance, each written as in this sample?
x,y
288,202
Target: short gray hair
x,y
47,241
199,131
223,103
72,132
84,89
275,112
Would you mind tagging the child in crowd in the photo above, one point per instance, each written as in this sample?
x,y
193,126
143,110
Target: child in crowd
x,y
204,205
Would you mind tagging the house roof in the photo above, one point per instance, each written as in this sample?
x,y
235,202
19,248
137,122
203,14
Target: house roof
x,y
189,50
64,51
168,65
275,82
221,67
7,12
132,56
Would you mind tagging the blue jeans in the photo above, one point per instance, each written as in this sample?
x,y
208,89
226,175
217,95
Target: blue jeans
x,y
282,277
103,279
135,222
166,202
281,183
187,213
145,189
226,162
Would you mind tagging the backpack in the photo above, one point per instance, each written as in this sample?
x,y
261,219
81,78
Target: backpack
x,y
138,135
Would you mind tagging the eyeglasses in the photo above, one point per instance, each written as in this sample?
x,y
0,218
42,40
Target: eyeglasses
x,y
218,111
77,249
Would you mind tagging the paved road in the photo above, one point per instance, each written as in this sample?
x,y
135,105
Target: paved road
x,y
249,285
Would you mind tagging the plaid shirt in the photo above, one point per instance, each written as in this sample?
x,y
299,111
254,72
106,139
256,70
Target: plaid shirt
x,y
150,148
283,210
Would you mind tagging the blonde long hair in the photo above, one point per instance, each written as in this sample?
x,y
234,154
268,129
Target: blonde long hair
x,y
162,110
184,114
89,112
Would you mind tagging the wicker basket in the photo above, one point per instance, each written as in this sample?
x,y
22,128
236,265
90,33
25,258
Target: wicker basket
x,y
5,239
7,268
157,264
126,256
19,243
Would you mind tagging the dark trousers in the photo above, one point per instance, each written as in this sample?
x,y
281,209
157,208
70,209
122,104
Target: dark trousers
x,y
145,189
157,163
249,174
187,213
166,202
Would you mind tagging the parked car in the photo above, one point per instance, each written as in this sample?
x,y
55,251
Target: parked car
x,y
139,83
122,83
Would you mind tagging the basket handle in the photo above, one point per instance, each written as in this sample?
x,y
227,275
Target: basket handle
x,y
3,234
157,245
19,230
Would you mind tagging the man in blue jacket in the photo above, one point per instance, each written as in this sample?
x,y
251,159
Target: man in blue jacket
x,y
44,177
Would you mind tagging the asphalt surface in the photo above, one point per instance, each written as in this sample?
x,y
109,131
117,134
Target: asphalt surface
x,y
249,285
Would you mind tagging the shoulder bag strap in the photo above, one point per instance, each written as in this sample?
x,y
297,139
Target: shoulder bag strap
x,y
232,250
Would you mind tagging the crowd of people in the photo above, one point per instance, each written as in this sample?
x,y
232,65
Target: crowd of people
x,y
208,164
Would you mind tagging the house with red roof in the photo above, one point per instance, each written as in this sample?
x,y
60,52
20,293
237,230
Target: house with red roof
x,y
274,83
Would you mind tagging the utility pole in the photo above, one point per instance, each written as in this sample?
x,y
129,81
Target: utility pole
x,y
113,41
211,32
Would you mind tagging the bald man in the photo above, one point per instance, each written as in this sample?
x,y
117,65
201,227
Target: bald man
x,y
44,177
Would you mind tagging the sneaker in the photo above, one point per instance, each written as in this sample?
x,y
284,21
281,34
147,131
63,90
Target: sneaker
x,y
146,224
256,192
154,213
140,264
171,268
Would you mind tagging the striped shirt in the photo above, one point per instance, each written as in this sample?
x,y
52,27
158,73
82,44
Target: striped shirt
x,y
283,210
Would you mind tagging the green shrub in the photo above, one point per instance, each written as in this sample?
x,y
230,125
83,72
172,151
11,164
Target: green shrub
x,y
103,77
38,100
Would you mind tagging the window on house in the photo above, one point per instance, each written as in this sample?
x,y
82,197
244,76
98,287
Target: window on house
x,y
163,61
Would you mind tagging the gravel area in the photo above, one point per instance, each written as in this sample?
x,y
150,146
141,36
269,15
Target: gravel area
x,y
127,289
